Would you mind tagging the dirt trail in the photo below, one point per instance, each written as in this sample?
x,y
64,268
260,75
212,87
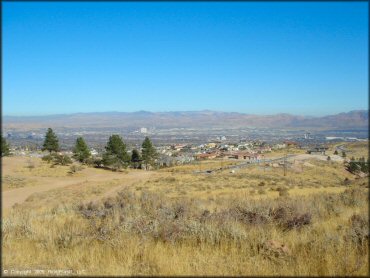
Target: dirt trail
x,y
19,195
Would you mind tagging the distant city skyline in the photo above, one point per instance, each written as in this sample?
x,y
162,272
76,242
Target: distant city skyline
x,y
263,58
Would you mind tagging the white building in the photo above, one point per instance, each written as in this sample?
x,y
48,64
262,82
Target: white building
x,y
143,130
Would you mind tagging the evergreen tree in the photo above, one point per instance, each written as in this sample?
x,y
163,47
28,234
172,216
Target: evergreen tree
x,y
115,153
5,151
135,158
336,152
328,158
352,167
343,154
51,143
362,164
81,151
148,152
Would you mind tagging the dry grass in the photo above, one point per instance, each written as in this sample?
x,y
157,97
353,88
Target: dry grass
x,y
323,176
150,234
202,165
15,181
180,223
358,149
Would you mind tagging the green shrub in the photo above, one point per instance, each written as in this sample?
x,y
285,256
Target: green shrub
x,y
62,159
48,158
75,168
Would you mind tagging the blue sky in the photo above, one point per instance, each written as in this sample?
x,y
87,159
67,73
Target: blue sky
x,y
260,58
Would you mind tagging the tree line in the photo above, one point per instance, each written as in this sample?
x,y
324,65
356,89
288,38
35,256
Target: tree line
x,y
115,156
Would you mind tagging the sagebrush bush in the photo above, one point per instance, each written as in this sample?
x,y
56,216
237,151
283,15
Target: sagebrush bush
x,y
283,192
163,219
289,235
358,231
75,168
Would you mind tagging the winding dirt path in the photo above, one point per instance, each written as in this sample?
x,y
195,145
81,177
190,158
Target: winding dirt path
x,y
19,195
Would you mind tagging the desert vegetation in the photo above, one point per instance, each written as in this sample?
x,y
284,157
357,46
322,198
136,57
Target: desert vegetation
x,y
254,221
148,233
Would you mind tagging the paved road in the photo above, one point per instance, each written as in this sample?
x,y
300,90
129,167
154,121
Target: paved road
x,y
342,148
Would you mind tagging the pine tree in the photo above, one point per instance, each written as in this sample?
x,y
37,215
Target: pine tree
x,y
336,152
135,158
116,154
352,167
362,164
148,152
344,154
81,151
5,151
51,143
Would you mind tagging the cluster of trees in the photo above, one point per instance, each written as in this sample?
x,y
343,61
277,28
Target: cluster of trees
x,y
343,153
51,144
358,165
114,157
5,149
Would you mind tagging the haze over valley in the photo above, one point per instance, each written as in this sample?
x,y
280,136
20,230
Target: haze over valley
x,y
184,127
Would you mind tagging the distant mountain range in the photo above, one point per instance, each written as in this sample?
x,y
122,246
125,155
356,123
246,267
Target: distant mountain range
x,y
358,119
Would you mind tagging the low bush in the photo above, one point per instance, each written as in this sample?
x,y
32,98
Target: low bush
x,y
298,221
75,168
358,231
346,181
62,159
284,192
155,215
57,159
48,158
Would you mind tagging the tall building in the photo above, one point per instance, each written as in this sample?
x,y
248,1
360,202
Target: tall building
x,y
143,130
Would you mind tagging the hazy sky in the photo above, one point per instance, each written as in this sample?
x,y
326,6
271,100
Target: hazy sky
x,y
263,58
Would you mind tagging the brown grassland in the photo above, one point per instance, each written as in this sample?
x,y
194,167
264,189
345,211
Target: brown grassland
x,y
254,221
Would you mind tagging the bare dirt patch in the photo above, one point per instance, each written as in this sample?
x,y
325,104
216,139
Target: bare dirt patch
x,y
21,192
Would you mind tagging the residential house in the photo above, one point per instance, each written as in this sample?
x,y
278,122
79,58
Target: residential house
x,y
317,150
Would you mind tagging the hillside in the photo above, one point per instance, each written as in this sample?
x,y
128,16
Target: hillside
x,y
198,119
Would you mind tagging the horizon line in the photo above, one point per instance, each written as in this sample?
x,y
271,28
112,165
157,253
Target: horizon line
x,y
173,111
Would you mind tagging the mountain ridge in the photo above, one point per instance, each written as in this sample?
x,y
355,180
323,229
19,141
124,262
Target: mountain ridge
x,y
202,118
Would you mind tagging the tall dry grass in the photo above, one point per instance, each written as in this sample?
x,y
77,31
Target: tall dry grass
x,y
148,233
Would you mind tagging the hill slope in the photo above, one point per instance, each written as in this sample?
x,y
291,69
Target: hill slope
x,y
197,119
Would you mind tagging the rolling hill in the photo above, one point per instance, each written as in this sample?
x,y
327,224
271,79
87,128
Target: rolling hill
x,y
357,119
